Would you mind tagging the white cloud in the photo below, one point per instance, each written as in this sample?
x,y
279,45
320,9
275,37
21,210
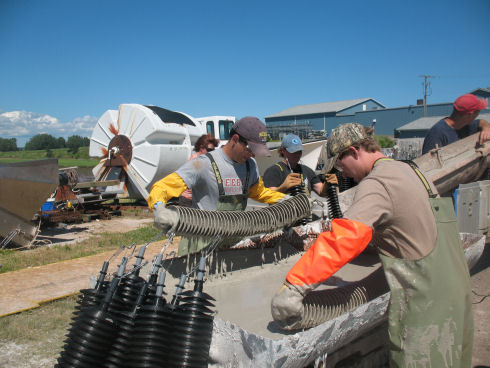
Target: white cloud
x,y
24,124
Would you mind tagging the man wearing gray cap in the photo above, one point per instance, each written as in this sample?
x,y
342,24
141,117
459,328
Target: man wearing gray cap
x,y
395,207
220,180
289,173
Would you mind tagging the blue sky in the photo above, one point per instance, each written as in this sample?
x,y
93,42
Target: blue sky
x,y
64,63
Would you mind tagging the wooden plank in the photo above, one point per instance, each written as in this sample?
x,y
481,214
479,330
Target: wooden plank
x,y
89,184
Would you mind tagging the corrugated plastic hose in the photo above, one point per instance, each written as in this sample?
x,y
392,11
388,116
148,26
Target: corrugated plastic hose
x,y
323,305
196,222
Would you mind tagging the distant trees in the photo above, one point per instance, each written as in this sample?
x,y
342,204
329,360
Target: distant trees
x,y
48,142
41,142
8,144
75,142
61,142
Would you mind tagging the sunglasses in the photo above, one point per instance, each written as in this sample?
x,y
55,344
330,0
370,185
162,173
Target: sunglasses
x,y
209,149
338,162
244,142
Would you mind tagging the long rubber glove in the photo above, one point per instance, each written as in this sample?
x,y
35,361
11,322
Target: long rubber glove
x,y
331,250
261,193
170,186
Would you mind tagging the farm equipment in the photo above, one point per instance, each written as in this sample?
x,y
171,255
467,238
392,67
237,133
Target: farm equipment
x,y
74,201
24,186
139,145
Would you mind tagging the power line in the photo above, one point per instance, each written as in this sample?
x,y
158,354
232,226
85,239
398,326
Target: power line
x,y
426,86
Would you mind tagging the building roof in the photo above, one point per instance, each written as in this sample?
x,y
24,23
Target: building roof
x,y
484,91
323,107
427,122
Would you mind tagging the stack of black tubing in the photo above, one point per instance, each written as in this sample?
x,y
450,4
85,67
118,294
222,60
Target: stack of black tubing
x,y
344,183
192,326
124,306
128,323
334,210
93,297
92,331
152,332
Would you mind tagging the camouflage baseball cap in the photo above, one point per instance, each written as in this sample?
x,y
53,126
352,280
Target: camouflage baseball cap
x,y
341,138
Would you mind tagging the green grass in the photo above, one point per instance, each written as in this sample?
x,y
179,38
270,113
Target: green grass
x,y
12,260
38,333
20,327
65,158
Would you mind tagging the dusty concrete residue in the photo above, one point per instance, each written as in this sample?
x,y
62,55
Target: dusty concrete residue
x,y
418,350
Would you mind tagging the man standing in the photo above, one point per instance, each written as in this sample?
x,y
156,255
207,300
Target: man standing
x,y
461,124
397,209
289,172
220,180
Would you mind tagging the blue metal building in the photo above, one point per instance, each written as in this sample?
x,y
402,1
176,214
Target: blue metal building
x,y
367,111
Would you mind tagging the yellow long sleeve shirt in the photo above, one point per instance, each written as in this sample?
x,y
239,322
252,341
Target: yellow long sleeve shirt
x,y
173,186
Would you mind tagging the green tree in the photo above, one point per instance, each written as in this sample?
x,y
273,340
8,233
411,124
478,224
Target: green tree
x,y
74,143
8,144
42,142
61,142
384,141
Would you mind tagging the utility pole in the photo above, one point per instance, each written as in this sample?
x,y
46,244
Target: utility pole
x,y
426,87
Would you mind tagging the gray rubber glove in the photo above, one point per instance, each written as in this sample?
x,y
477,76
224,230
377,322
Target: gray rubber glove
x,y
166,218
287,305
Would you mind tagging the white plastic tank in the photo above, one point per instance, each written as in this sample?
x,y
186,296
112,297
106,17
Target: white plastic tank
x,y
140,144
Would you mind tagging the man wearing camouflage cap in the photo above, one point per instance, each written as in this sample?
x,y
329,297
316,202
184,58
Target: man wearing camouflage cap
x,y
414,230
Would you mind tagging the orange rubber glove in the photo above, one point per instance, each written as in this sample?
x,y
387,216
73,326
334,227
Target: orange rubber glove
x,y
331,250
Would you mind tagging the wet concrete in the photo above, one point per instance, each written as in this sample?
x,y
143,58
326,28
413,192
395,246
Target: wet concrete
x,y
243,294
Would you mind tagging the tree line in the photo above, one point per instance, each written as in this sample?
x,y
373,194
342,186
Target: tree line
x,y
46,142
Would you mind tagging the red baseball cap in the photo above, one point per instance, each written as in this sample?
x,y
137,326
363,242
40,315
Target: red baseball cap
x,y
470,103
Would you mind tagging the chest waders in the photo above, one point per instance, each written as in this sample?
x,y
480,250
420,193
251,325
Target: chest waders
x,y
430,317
225,203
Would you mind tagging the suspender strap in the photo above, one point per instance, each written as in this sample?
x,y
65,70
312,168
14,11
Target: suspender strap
x,y
247,179
415,168
219,180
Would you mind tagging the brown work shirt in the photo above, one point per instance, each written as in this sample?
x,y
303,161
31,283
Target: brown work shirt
x,y
394,202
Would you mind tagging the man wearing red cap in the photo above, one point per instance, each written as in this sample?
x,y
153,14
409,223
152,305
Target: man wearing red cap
x,y
220,180
461,124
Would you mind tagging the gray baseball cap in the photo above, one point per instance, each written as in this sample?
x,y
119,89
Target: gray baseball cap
x,y
255,132
292,143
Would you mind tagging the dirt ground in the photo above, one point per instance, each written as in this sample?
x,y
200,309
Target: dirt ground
x,y
72,233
